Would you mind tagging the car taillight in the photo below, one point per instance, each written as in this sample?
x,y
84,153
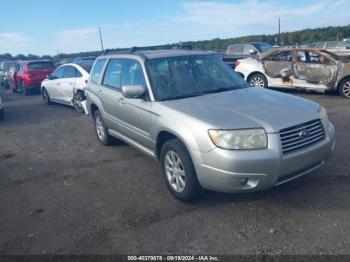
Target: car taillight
x,y
237,63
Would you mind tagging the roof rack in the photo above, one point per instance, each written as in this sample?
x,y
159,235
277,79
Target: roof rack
x,y
147,48
161,47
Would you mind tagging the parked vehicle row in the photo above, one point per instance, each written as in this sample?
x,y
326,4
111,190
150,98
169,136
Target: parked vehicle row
x,y
303,68
195,115
204,124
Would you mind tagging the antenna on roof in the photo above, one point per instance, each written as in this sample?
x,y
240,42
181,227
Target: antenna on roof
x,y
99,29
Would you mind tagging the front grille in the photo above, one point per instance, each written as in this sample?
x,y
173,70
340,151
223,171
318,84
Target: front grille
x,y
301,136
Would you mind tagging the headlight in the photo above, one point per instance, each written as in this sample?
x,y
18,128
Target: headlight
x,y
243,139
323,113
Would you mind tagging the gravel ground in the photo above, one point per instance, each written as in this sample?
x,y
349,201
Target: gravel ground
x,y
61,192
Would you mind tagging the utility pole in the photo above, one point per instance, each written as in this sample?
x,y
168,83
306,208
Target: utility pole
x,y
279,31
99,29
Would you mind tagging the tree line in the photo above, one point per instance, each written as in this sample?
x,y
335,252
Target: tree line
x,y
305,36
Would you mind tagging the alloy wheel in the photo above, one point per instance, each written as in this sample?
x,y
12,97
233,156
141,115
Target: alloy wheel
x,y
257,82
175,171
99,128
346,89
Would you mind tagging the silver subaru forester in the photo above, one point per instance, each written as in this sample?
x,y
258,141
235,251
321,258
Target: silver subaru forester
x,y
207,128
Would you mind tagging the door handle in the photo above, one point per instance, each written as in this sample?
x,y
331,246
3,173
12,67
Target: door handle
x,y
121,101
58,84
99,92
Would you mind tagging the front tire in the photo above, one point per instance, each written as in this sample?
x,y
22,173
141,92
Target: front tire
x,y
2,114
257,80
101,129
178,171
344,88
46,96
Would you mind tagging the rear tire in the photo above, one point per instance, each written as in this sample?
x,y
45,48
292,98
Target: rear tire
x,y
178,171
344,88
101,129
23,89
13,88
257,80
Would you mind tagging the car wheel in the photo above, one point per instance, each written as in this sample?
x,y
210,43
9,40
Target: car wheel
x,y
101,129
23,89
46,96
77,99
257,80
178,171
13,88
2,114
344,88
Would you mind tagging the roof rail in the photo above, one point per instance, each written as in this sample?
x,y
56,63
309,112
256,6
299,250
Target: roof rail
x,y
147,48
161,47
117,51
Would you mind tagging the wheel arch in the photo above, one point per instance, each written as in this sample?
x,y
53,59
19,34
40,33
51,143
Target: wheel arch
x,y
93,109
164,136
342,80
260,73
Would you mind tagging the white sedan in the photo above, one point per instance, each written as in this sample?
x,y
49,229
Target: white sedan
x,y
66,85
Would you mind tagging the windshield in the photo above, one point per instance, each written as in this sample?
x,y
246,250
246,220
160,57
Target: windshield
x,y
263,47
187,76
41,65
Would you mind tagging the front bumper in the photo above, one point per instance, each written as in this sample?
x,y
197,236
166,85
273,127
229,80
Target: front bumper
x,y
240,171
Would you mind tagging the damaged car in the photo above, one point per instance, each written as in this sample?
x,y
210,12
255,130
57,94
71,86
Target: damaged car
x,y
301,68
66,85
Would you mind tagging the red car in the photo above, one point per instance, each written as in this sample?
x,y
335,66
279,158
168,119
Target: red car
x,y
29,75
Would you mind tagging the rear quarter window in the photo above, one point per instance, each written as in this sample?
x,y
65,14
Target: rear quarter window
x,y
97,70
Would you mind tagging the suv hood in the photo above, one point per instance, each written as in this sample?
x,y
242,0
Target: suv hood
x,y
247,108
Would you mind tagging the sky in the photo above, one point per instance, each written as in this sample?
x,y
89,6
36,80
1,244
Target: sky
x,y
67,26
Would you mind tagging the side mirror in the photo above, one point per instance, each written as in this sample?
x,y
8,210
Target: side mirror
x,y
252,52
133,91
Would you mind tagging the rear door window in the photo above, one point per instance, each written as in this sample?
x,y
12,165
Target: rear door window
x,y
281,56
113,74
235,49
69,72
97,70
247,49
